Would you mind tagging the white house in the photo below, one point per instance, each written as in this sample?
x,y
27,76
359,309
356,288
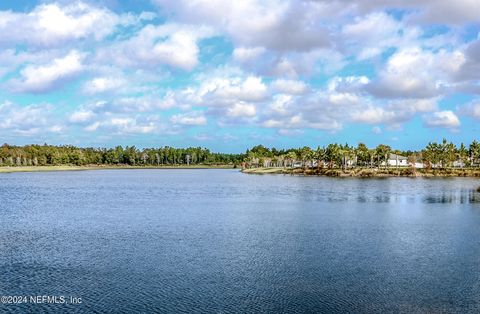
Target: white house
x,y
395,160
417,165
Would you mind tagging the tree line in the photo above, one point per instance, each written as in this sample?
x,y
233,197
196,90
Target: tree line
x,y
43,155
435,155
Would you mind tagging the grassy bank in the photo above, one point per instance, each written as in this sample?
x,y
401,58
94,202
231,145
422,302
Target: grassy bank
x,y
98,167
368,172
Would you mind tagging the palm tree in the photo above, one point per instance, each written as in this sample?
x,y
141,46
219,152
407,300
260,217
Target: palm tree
x,y
431,154
363,154
382,152
448,153
333,155
251,159
349,155
474,151
291,156
320,156
462,155
306,155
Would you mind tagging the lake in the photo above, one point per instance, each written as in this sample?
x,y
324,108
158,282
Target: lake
x,y
219,241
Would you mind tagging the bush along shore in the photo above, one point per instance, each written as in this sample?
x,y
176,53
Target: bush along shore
x,y
368,172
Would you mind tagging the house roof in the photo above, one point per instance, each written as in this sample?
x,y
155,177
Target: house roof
x,y
395,156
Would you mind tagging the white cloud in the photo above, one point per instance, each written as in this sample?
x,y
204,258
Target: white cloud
x,y
312,110
245,54
12,59
376,130
447,11
299,121
132,125
251,89
228,96
43,78
235,99
123,116
92,127
27,120
295,65
291,87
53,24
414,73
471,110
329,109
405,76
180,50
126,125
373,115
372,34
225,91
442,119
347,84
103,84
420,11
393,114
81,116
417,105
227,138
283,52
145,103
126,105
273,37
191,118
468,62
56,129
241,110
273,24
343,99
174,45
290,132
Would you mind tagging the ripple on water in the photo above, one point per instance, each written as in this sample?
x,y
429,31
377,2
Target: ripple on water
x,y
220,241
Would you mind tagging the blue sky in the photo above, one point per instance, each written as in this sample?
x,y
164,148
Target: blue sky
x,y
228,75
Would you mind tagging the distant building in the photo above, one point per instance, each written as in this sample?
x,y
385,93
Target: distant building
x,y
395,160
417,165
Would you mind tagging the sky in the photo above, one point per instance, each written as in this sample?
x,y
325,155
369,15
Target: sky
x,y
228,75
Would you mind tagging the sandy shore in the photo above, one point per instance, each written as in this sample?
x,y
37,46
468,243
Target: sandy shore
x,y
95,167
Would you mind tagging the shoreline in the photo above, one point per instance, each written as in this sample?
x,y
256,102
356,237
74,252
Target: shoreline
x,y
8,169
335,172
369,172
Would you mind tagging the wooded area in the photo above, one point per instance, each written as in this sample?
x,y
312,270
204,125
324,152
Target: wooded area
x,y
43,155
439,155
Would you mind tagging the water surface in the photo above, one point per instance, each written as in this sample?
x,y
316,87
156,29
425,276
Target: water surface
x,y
219,241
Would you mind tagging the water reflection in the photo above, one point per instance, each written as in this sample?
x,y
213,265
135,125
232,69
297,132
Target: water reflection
x,y
382,191
462,196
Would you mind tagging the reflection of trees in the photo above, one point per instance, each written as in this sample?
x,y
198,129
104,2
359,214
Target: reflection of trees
x,y
463,196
